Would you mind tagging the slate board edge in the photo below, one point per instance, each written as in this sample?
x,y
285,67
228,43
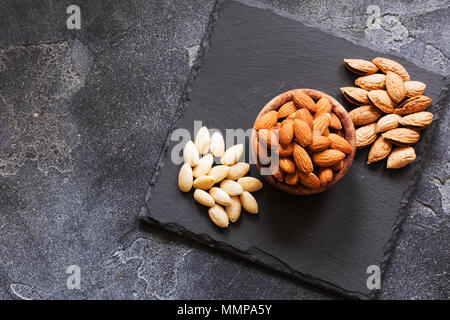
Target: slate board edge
x,y
145,214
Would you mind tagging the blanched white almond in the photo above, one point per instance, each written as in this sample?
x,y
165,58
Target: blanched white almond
x,y
219,172
250,184
204,198
217,146
249,202
220,196
190,154
204,165
218,215
231,187
238,170
203,140
234,209
185,177
204,182
232,155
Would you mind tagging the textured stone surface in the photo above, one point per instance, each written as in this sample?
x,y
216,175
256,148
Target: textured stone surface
x,y
74,176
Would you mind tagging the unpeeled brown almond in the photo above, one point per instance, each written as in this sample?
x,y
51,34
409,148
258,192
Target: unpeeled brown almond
x,y
360,66
287,165
286,132
319,143
402,136
364,115
379,150
321,123
355,95
382,100
372,82
386,65
309,180
387,122
302,100
286,109
414,88
303,114
302,133
414,104
395,86
327,158
325,176
400,157
339,143
417,121
302,159
365,135
267,120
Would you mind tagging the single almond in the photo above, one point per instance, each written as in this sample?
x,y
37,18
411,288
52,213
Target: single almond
x,y
355,95
234,209
286,109
250,184
268,138
309,180
231,187
365,135
325,176
218,215
286,132
217,146
267,120
414,88
335,123
382,100
364,115
386,65
375,81
395,87
402,136
302,100
360,66
400,157
286,151
319,143
220,196
287,165
327,158
321,123
417,121
185,178
190,153
291,178
338,166
414,104
204,198
204,182
203,140
323,106
339,143
379,150
204,165
249,202
232,155
302,133
219,172
303,114
388,122
238,170
302,159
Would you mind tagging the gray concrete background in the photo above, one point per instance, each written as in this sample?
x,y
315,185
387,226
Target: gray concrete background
x,y
83,115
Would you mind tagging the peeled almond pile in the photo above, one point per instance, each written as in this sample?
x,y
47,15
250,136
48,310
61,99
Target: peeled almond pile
x,y
308,138
224,188
391,110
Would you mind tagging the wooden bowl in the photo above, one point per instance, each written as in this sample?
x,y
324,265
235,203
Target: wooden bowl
x,y
347,126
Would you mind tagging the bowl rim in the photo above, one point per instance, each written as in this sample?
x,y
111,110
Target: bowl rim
x,y
347,126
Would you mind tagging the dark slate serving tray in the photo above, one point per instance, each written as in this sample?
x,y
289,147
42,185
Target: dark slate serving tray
x,y
329,239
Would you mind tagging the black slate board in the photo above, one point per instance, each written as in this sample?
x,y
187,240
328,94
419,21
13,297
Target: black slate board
x,y
328,239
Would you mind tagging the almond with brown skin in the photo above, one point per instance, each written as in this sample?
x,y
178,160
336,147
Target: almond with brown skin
x,y
302,159
291,178
414,104
327,158
286,132
287,165
360,66
325,176
400,157
286,109
339,143
382,100
414,88
355,95
417,121
302,100
364,115
286,151
335,123
388,122
395,87
386,65
309,180
279,175
379,150
365,135
302,133
402,136
338,166
321,123
323,106
303,114
267,120
319,143
268,137
373,82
